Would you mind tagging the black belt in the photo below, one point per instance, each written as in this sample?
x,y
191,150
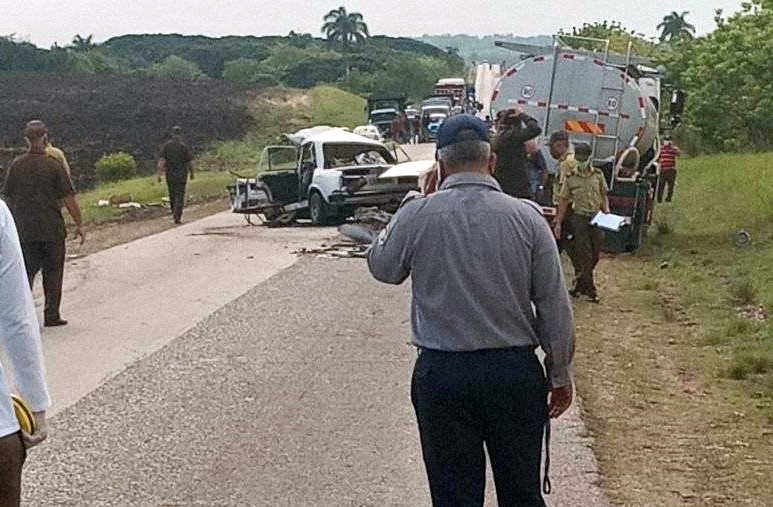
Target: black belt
x,y
520,348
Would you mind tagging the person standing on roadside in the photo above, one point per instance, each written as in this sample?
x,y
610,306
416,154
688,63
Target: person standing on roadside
x,y
35,188
585,188
487,290
176,163
514,128
538,172
23,362
668,154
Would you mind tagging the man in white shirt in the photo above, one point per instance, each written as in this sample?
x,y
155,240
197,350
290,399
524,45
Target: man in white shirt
x,y
21,352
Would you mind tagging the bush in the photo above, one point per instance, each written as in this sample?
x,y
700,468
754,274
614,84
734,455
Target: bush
x,y
174,67
242,71
116,166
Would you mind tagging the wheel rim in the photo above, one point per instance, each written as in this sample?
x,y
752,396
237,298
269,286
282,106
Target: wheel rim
x,y
315,210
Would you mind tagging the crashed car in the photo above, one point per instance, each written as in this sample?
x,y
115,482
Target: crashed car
x,y
324,174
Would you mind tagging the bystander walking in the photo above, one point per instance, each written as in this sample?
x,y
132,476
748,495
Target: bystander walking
x,y
585,189
176,163
668,154
35,188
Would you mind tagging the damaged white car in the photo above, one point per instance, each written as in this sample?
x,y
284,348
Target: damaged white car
x,y
324,174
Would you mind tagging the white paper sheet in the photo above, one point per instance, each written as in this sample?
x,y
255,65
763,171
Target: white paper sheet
x,y
610,221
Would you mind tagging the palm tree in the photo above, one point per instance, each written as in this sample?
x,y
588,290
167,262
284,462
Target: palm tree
x,y
82,43
675,26
345,27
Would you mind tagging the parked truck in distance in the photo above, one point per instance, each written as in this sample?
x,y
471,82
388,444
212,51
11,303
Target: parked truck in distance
x,y
383,110
454,87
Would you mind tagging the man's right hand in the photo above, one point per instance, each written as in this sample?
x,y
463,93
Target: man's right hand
x,y
560,400
557,230
80,232
41,431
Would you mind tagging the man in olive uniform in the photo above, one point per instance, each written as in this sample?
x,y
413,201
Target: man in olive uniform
x,y
35,189
585,188
175,161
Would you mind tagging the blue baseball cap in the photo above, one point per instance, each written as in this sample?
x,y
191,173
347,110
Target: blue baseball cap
x,y
470,128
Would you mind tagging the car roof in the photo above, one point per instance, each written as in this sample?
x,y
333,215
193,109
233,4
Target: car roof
x,y
340,136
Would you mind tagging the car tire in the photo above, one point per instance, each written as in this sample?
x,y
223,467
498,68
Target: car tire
x,y
318,209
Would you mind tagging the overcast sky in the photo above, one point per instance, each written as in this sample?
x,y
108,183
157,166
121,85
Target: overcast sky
x,y
46,21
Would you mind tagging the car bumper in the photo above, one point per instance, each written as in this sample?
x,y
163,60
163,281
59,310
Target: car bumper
x,y
371,197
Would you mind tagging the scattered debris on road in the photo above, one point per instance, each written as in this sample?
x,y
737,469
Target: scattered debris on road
x,y
336,251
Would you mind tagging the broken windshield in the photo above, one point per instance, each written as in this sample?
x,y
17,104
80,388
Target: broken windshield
x,y
343,155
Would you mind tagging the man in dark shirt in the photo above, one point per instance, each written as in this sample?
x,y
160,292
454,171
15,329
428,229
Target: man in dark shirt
x,y
175,161
35,188
514,128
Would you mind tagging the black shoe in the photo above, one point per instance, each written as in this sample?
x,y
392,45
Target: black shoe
x,y
594,298
178,221
574,293
55,322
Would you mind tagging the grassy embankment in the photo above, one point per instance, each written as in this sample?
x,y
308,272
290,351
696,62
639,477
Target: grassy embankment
x,y
719,283
276,111
676,379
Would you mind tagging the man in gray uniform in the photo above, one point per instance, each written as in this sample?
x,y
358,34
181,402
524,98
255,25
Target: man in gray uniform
x,y
487,290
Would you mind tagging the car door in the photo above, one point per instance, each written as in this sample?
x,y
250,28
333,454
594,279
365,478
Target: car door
x,y
278,170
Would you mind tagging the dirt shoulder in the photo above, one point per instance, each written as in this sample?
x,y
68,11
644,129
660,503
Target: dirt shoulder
x,y
665,433
138,224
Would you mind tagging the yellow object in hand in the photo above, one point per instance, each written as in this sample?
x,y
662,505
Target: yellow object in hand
x,y
23,415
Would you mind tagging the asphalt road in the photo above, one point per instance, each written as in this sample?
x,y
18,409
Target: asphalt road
x,y
294,394
130,300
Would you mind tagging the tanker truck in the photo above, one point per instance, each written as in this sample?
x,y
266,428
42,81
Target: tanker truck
x,y
607,100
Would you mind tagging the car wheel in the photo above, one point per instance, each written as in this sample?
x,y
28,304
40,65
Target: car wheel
x,y
318,209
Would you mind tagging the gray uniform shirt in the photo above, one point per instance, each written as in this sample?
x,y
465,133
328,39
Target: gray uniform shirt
x,y
479,259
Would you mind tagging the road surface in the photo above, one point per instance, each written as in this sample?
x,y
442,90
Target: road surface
x,y
207,365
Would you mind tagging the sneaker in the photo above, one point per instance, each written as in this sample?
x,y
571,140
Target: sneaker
x,y
55,322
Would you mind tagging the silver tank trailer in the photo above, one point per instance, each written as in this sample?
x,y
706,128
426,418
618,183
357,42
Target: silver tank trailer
x,y
586,92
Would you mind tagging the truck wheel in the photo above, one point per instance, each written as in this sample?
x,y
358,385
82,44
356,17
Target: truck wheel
x,y
318,209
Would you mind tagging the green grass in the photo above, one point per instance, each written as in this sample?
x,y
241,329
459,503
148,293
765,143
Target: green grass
x,y
206,186
278,111
717,196
337,108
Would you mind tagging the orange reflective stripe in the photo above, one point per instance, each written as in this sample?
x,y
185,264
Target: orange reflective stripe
x,y
584,127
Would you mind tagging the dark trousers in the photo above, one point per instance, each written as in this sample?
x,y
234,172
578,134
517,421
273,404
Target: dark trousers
x,y
12,457
48,257
465,400
584,250
667,178
176,189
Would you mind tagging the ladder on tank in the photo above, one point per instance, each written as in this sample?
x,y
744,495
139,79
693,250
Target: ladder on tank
x,y
610,94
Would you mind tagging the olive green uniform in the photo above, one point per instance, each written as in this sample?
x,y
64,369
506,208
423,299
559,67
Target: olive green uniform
x,y
586,189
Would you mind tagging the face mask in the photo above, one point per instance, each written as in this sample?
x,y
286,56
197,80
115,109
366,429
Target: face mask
x,y
583,166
